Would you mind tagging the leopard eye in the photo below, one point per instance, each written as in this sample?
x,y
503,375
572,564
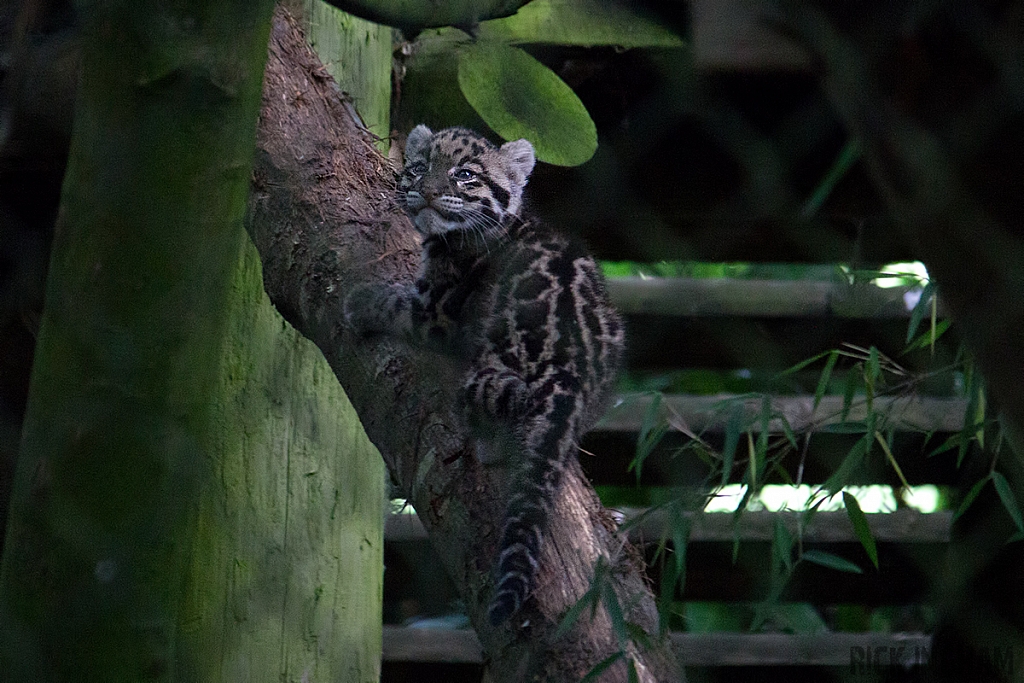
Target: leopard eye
x,y
417,168
463,174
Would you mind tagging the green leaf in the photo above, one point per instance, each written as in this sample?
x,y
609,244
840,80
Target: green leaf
x,y
573,614
1008,499
782,544
860,527
831,561
602,666
733,427
634,677
521,98
847,157
826,377
666,594
580,22
614,609
849,427
413,15
928,338
680,539
969,498
922,307
652,430
802,364
853,460
853,379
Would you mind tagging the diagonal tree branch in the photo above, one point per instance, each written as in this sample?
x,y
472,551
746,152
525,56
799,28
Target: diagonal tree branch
x,y
322,218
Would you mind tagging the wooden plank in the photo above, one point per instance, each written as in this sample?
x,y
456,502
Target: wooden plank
x,y
901,526
709,413
405,644
783,649
760,298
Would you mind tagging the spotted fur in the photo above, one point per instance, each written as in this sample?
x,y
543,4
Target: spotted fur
x,y
523,307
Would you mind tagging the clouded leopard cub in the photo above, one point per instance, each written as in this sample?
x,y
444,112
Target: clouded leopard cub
x,y
522,307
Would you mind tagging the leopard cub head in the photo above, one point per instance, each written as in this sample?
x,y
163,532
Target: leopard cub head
x,y
455,180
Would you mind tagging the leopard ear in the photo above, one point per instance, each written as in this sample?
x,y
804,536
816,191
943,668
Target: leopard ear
x,y
519,159
418,142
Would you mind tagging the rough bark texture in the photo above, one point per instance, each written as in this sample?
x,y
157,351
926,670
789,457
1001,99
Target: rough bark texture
x,y
322,218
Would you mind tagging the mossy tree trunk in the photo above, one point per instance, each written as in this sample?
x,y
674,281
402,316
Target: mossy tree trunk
x,y
195,498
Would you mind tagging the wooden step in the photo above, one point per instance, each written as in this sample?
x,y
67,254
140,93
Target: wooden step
x,y
900,526
697,414
714,297
409,644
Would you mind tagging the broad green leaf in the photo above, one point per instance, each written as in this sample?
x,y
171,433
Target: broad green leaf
x,y
521,98
580,22
1008,499
860,527
831,561
413,15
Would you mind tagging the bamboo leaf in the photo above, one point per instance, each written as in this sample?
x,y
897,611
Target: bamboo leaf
x,y
573,614
733,427
680,539
614,609
782,544
580,22
860,527
602,666
519,97
920,308
826,377
634,677
969,498
652,430
853,379
831,561
929,338
802,364
1008,499
892,460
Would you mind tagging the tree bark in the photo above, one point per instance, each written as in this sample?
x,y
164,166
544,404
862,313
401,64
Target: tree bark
x,y
323,219
196,499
